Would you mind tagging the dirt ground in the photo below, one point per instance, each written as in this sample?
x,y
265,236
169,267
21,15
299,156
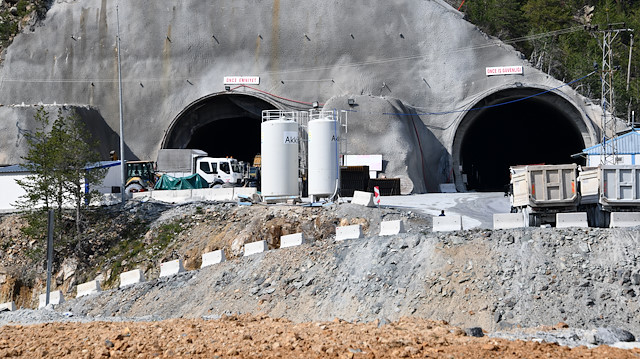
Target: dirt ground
x,y
263,337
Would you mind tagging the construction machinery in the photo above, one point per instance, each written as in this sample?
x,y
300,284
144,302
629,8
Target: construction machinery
x,y
141,176
185,162
542,191
606,189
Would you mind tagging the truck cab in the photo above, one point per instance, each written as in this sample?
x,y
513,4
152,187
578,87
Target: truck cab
x,y
219,171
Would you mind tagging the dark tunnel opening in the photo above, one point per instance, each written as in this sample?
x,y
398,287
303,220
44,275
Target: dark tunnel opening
x,y
222,125
236,137
525,132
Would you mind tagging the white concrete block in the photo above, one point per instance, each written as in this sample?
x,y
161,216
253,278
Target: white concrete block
x,y
198,194
363,198
55,297
131,277
171,268
348,232
508,220
255,247
575,219
214,257
88,288
216,194
624,219
8,306
447,223
291,240
138,195
172,196
244,191
390,228
448,188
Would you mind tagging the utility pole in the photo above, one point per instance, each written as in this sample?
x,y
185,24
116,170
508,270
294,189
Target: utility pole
x,y
607,97
123,162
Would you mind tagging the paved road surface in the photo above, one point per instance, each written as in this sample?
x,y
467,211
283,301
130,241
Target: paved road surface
x,y
476,209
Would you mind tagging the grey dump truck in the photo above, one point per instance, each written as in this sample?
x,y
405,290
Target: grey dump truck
x,y
542,191
609,188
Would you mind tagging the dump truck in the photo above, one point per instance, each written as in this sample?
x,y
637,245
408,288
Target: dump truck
x,y
608,188
185,162
542,191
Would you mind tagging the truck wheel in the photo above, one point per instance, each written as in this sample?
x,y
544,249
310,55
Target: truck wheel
x,y
534,220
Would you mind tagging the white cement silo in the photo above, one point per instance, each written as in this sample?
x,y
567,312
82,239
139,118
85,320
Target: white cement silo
x,y
279,152
324,134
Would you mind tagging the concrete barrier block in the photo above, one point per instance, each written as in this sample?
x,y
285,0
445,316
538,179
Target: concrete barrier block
x,y
348,232
390,228
199,194
447,223
255,247
244,191
8,306
171,268
624,219
508,220
214,257
291,240
55,297
448,188
88,288
131,277
363,198
138,195
575,219
172,196
216,194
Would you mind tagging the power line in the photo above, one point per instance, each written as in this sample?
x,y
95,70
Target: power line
x,y
494,105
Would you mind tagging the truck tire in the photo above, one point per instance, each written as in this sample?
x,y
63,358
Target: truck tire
x,y
534,220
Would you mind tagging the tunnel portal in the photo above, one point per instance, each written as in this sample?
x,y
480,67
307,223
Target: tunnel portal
x,y
544,129
221,125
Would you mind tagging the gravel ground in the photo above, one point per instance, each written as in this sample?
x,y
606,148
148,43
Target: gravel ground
x,y
263,337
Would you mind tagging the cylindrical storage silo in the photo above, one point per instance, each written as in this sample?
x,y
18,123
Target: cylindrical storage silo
x,y
323,156
279,156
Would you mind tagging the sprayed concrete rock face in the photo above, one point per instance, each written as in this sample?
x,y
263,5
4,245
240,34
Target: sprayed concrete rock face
x,y
402,56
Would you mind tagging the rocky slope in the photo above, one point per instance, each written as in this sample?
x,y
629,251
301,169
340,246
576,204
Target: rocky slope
x,y
497,280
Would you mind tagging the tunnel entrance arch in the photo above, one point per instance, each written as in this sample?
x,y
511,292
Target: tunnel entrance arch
x,y
543,129
220,124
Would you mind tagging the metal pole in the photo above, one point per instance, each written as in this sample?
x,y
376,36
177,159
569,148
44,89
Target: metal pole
x,y
49,254
123,162
629,64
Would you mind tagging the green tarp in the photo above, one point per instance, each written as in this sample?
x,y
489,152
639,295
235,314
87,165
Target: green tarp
x,y
190,182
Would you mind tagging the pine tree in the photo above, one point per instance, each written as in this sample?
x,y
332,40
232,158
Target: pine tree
x,y
58,159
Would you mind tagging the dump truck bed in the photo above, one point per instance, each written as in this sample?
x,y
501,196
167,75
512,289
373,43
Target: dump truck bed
x,y
619,186
544,186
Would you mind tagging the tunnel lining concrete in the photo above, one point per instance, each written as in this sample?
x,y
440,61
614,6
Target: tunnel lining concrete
x,y
557,101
